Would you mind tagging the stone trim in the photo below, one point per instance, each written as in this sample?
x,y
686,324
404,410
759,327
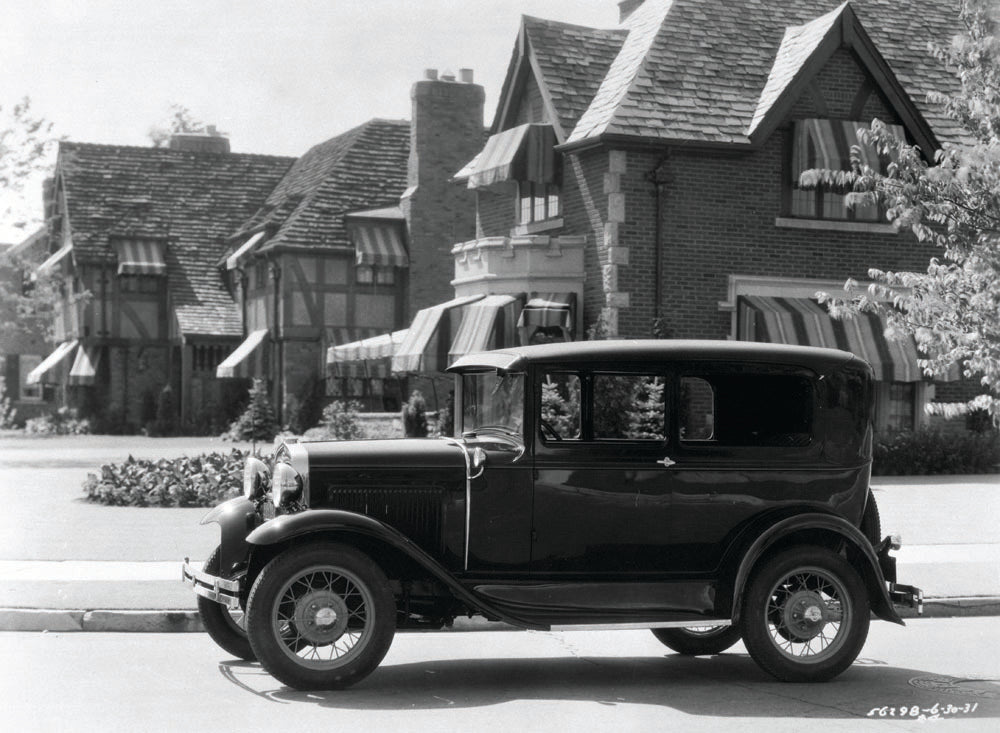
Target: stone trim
x,y
614,253
864,227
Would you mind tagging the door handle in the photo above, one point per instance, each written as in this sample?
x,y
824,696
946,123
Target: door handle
x,y
667,463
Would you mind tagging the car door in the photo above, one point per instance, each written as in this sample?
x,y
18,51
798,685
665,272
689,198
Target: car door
x,y
602,489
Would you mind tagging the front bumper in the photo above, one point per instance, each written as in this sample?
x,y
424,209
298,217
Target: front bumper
x,y
220,590
900,595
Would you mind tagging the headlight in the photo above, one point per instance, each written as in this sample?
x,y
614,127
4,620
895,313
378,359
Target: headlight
x,y
287,485
255,479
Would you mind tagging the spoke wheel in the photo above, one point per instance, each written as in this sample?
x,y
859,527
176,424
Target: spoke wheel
x,y
806,615
321,616
226,626
698,640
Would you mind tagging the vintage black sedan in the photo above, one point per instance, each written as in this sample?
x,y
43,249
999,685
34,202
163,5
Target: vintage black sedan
x,y
711,491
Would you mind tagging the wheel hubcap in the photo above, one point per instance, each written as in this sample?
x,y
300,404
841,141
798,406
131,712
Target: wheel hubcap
x,y
804,615
321,617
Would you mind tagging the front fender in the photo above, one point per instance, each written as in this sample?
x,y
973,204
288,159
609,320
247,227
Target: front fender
x,y
318,521
236,519
871,572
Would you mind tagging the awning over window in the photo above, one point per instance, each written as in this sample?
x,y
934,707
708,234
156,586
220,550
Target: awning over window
x,y
140,257
426,346
549,309
248,360
370,357
233,261
490,323
84,370
378,242
522,153
53,260
45,372
826,144
804,322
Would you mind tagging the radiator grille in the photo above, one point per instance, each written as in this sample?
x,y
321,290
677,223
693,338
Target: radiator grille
x,y
417,513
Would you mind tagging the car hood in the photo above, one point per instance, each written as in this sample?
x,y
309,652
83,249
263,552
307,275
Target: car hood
x,y
404,453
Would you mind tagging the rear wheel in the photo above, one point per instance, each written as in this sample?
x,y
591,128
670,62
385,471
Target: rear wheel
x,y
805,616
321,616
698,640
226,626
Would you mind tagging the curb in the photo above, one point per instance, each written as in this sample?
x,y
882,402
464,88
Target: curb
x,y
172,621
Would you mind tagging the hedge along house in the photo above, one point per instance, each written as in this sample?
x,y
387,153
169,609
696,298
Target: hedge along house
x,y
669,149
349,245
140,230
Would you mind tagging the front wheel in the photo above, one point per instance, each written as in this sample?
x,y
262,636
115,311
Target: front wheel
x,y
321,616
805,616
698,640
227,627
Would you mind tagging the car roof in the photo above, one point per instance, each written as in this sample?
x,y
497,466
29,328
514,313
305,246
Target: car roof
x,y
642,350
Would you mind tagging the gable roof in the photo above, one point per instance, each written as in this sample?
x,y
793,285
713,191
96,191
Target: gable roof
x,y
569,63
695,70
192,200
363,168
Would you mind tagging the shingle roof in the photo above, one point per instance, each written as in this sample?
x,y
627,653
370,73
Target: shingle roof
x,y
695,70
573,61
363,168
194,200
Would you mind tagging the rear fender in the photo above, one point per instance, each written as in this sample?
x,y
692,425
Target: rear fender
x,y
236,518
860,553
317,522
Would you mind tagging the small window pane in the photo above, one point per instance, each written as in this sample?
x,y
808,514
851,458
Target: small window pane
x,y
364,274
553,205
628,407
560,408
385,276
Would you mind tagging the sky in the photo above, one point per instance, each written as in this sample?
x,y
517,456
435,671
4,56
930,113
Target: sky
x,y
278,76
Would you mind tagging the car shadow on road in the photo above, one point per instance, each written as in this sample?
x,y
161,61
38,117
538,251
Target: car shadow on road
x,y
726,685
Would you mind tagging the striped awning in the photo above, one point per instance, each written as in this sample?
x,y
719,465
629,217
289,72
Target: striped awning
x,y
84,370
233,261
140,257
826,144
490,323
522,153
248,360
370,357
804,322
53,260
45,372
549,309
426,346
378,242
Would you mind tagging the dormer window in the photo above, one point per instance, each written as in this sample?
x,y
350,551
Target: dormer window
x,y
826,144
537,202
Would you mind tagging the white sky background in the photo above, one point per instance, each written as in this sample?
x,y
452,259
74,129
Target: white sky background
x,y
277,75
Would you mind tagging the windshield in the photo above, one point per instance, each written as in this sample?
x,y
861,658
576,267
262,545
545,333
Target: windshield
x,y
492,400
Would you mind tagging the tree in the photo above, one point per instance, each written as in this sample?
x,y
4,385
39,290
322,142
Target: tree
x,y
953,309
179,119
26,144
258,421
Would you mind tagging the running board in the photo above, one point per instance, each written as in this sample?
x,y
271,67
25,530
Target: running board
x,y
646,625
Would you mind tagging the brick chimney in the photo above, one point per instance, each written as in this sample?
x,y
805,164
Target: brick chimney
x,y
209,141
626,8
446,132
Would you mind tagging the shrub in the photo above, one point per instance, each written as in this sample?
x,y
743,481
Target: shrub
x,y
63,421
928,452
305,407
446,415
258,421
415,416
203,480
339,422
7,413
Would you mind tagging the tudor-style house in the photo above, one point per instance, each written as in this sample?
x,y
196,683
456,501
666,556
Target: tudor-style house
x,y
139,230
647,177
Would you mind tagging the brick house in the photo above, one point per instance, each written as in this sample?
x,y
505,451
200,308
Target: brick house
x,y
141,230
349,244
663,157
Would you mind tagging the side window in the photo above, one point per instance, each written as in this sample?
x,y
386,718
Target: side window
x,y
560,408
629,407
759,410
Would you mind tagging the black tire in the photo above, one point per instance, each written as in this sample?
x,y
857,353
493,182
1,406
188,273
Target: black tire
x,y
226,626
321,616
871,522
793,603
698,640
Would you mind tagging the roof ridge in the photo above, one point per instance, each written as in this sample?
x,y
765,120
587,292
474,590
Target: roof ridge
x,y
151,150
575,26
